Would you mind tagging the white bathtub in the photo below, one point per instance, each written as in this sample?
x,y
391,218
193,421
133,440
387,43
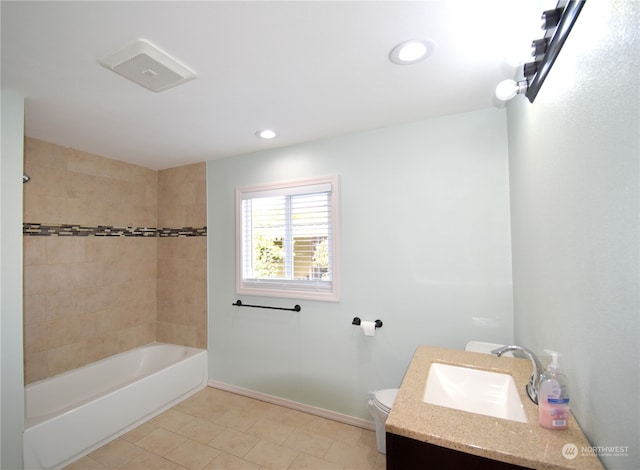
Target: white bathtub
x,y
74,413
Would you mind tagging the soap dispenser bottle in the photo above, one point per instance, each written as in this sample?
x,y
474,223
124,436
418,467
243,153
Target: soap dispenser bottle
x,y
553,398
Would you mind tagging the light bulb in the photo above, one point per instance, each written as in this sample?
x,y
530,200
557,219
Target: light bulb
x,y
507,89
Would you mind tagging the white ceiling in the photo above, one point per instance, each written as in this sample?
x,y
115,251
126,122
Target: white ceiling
x,y
306,69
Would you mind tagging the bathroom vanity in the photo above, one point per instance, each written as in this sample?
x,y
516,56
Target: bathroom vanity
x,y
422,435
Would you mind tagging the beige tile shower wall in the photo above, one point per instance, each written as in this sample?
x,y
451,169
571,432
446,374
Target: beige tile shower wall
x,y
182,196
72,187
182,261
86,297
182,291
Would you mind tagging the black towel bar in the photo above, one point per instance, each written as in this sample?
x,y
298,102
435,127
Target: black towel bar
x,y
296,308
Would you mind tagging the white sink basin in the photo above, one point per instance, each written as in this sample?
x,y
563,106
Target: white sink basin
x,y
476,391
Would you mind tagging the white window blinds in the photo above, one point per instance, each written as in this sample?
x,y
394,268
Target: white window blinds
x,y
287,241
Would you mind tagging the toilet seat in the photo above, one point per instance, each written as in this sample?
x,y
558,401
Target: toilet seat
x,y
384,399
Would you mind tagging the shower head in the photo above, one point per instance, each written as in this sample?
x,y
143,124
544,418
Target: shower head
x,y
26,178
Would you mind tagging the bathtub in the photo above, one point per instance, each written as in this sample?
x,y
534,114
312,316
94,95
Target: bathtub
x,y
74,413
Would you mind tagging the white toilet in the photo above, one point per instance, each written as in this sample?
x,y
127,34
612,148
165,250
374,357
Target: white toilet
x,y
380,404
379,408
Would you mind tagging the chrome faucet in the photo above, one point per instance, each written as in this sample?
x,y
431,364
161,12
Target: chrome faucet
x,y
538,369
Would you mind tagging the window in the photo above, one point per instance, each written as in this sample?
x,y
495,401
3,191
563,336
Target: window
x,y
286,239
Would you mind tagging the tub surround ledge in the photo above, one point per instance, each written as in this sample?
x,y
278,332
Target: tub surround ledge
x,y
525,444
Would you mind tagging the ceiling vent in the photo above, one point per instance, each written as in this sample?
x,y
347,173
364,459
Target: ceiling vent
x,y
145,64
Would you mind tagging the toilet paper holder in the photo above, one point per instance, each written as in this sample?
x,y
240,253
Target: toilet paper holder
x,y
357,321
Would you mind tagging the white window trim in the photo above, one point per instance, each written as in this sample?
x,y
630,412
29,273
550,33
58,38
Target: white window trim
x,y
292,290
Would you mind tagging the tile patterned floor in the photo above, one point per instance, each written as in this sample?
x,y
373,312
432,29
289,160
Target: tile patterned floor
x,y
215,430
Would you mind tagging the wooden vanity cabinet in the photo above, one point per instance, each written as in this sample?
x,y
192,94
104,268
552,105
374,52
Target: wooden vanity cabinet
x,y
404,453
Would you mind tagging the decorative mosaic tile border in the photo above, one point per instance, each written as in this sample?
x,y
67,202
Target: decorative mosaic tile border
x,y
64,230
182,232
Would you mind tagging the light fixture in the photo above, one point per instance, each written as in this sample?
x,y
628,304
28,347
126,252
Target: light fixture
x,y
507,89
266,134
411,51
557,24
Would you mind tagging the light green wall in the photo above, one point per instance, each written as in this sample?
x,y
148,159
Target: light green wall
x,y
11,376
573,157
425,248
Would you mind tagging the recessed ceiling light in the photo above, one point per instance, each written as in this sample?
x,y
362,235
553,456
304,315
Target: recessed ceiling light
x,y
411,51
266,134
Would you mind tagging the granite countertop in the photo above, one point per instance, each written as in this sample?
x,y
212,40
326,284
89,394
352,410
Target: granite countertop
x,y
525,444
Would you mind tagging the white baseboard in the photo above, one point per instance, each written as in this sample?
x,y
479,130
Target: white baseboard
x,y
342,418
